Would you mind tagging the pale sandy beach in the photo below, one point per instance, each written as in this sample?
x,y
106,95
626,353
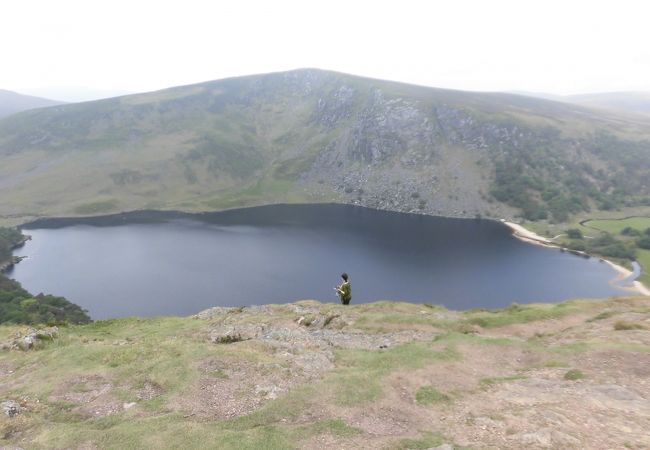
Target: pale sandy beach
x,y
527,235
533,238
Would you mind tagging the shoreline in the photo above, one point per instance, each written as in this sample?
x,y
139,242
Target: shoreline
x,y
531,237
8,264
518,231
29,221
526,235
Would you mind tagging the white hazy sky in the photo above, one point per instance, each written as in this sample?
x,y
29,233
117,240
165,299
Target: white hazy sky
x,y
567,46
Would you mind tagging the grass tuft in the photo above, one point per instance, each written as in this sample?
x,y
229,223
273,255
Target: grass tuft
x,y
624,325
574,374
494,380
602,316
428,395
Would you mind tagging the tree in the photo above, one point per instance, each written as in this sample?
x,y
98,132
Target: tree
x,y
574,233
644,242
629,231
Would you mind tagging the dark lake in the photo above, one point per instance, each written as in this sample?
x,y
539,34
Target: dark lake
x,y
150,263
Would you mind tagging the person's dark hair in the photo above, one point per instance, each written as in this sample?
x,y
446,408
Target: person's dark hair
x,y
344,276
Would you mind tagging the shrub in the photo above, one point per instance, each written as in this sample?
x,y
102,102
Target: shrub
x,y
228,339
577,245
643,243
574,233
629,231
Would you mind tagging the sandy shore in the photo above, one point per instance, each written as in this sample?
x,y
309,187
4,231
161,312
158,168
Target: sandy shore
x,y
623,273
534,238
527,235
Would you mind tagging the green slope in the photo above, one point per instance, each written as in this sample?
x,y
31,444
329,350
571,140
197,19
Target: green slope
x,y
312,135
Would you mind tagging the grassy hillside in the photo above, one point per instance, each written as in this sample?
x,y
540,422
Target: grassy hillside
x,y
13,102
311,135
309,375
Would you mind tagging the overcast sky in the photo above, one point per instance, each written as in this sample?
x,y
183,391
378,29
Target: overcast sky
x,y
568,46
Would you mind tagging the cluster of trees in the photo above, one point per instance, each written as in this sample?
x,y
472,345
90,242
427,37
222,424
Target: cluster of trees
x,y
518,185
549,178
606,244
642,239
19,306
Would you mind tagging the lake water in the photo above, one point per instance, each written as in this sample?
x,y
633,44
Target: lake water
x,y
166,263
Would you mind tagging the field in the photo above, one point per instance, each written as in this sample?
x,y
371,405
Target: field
x,y
308,375
615,226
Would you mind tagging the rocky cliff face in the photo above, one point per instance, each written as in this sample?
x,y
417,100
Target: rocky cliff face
x,y
438,154
396,153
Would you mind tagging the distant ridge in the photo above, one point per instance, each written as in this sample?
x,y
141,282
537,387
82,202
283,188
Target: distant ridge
x,y
634,102
624,101
13,102
76,94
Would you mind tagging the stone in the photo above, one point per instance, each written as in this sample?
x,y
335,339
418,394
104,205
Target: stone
x,y
29,340
11,408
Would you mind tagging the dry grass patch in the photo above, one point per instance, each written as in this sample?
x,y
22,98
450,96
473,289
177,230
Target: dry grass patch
x,y
624,325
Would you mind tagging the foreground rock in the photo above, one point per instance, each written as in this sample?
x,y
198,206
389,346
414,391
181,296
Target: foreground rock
x,y
11,408
29,339
311,375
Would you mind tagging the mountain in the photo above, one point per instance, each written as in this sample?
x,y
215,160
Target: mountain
x,y
634,102
313,136
76,94
13,102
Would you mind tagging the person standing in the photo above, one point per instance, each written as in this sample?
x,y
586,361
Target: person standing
x,y
344,290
